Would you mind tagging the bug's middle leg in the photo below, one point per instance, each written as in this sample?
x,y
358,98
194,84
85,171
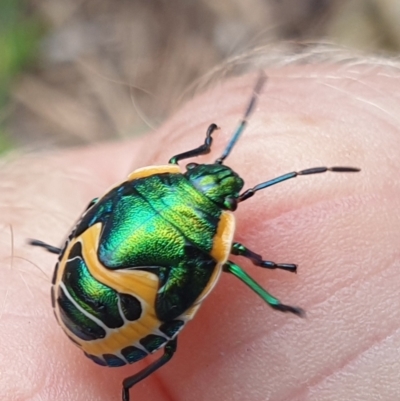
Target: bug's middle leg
x,y
241,250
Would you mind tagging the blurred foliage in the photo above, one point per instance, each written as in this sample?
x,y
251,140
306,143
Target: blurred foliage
x,y
113,69
20,32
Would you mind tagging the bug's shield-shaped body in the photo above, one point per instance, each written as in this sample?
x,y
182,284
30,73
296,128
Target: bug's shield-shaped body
x,y
143,257
138,265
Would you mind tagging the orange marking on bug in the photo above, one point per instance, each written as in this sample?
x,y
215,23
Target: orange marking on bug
x,y
136,282
222,241
152,170
125,336
140,284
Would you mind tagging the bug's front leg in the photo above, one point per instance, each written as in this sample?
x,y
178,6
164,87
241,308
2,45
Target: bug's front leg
x,y
48,247
201,150
241,250
129,382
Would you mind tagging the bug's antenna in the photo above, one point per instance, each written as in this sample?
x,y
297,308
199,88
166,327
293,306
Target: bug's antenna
x,y
262,78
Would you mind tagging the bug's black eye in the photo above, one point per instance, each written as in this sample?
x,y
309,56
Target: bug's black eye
x,y
230,204
190,166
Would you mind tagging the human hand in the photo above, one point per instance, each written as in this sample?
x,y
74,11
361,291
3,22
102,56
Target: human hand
x,y
341,229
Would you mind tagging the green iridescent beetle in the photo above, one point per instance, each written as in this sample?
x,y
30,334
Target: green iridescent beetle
x,y
142,258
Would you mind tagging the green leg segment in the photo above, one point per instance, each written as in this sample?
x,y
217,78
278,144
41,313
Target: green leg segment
x,y
241,250
237,271
130,381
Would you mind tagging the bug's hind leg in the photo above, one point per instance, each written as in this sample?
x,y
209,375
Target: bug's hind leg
x,y
130,381
241,250
201,150
238,272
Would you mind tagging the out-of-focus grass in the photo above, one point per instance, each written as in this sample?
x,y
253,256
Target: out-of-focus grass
x,y
20,32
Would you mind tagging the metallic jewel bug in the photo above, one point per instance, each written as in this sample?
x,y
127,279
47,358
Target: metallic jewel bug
x,y
143,257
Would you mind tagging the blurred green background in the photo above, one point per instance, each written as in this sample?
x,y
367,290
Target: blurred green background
x,y
74,72
20,34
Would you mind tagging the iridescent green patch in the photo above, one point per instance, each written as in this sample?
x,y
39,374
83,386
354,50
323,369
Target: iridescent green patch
x,y
178,226
165,221
94,297
76,321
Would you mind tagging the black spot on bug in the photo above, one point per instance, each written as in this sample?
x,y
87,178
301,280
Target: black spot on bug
x,y
171,328
113,360
133,354
153,342
130,306
96,359
76,251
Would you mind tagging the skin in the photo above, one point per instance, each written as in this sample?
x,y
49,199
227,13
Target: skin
x,y
342,229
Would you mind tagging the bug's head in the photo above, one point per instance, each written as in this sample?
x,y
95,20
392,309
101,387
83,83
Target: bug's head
x,y
216,181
